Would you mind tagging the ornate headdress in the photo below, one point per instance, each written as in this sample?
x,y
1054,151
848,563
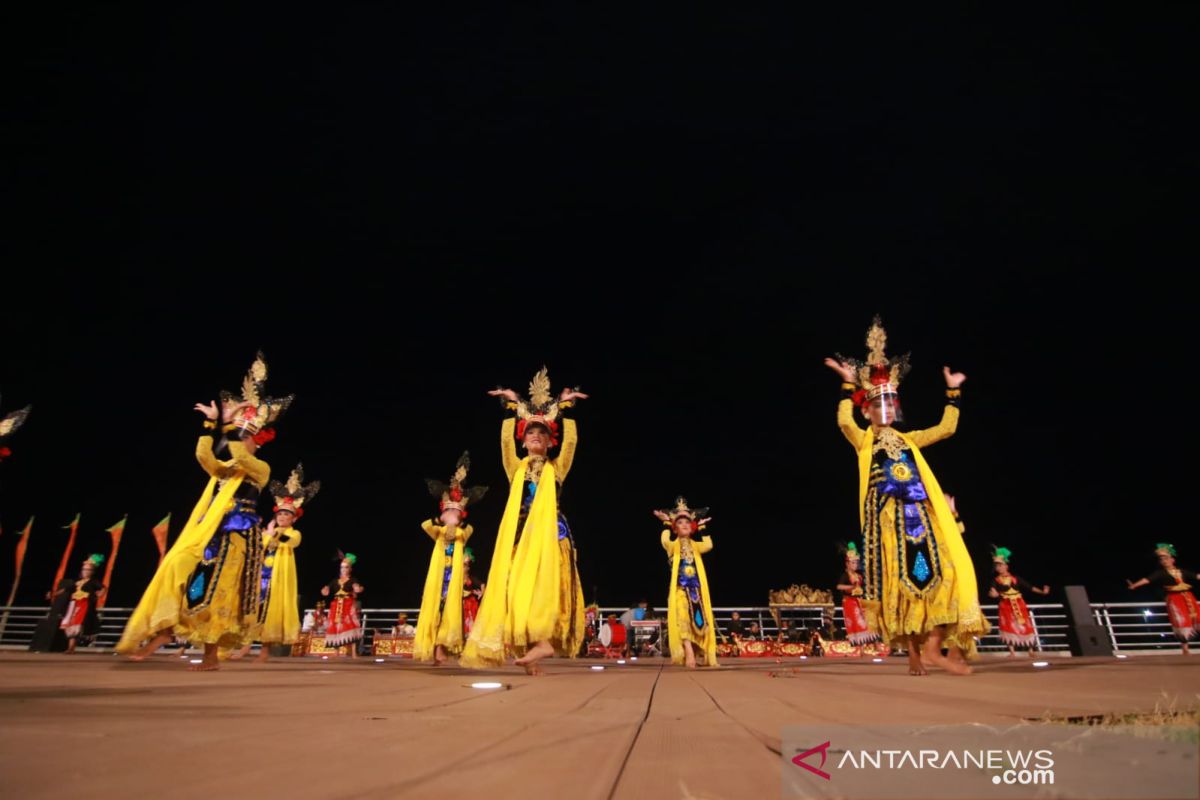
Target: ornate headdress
x,y
1001,554
292,496
878,375
850,551
8,426
263,412
348,558
681,510
1164,549
454,495
95,559
542,408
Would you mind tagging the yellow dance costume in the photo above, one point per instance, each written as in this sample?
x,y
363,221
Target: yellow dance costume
x,y
279,605
281,609
918,574
533,589
441,618
206,590
689,608
222,609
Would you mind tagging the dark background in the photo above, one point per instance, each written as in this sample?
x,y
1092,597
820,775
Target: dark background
x,y
682,215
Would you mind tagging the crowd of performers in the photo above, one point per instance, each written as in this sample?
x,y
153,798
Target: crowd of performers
x,y
228,580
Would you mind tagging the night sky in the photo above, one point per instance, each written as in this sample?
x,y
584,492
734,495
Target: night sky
x,y
681,215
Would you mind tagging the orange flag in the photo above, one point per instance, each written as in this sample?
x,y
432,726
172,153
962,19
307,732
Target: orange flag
x,y
22,544
160,537
116,531
62,565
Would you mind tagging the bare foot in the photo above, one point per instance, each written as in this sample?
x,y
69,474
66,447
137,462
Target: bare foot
x,y
534,654
936,659
915,667
439,655
264,655
210,663
534,669
238,654
151,646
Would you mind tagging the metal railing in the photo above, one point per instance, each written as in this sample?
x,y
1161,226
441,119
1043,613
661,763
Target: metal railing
x,y
1131,627
1136,626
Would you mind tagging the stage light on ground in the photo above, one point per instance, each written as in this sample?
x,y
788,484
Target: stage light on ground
x,y
1122,655
633,658
877,660
804,658
196,661
486,685
620,661
324,658
1041,663
379,660
597,667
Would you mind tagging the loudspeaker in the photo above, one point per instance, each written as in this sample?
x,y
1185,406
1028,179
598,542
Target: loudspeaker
x,y
1085,637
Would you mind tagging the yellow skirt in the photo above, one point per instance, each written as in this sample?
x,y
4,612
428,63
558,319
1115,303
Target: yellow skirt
x,y
685,622
221,621
449,636
281,621
903,609
568,633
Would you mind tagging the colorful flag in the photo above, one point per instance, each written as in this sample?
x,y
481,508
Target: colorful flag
x,y
160,536
62,565
116,531
22,544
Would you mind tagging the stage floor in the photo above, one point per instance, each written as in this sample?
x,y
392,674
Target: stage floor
x,y
99,726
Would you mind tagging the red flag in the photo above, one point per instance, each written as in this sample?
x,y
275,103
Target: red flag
x,y
22,544
160,536
62,565
116,531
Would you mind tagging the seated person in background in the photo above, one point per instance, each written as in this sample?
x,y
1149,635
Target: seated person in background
x,y
789,634
828,630
637,613
753,634
734,627
642,611
402,628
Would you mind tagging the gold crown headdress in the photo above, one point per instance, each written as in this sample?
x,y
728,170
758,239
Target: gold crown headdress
x,y
542,408
262,412
454,495
878,375
293,494
681,510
